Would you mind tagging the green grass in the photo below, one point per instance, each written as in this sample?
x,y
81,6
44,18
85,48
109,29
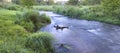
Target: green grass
x,y
87,12
8,14
13,36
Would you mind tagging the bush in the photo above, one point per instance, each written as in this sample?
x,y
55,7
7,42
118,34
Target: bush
x,y
8,15
90,13
73,12
32,20
44,19
40,42
109,6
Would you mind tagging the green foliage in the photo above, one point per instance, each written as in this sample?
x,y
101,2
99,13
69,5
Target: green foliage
x,y
90,2
12,48
111,6
11,6
13,36
73,12
27,3
41,2
73,2
44,19
40,42
10,15
32,21
8,28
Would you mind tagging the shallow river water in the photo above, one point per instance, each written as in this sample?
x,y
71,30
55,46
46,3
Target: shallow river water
x,y
83,36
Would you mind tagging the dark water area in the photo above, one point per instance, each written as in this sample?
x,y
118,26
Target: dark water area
x,y
83,36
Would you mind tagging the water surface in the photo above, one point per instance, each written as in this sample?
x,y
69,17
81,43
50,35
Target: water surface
x,y
83,36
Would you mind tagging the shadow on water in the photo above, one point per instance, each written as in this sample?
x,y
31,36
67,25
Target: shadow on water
x,y
83,36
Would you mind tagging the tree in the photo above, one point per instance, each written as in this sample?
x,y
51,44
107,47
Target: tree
x,y
73,2
27,3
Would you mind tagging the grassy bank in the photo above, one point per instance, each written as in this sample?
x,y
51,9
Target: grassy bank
x,y
18,31
95,13
87,12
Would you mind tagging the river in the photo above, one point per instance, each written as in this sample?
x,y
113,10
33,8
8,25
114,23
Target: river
x,y
83,36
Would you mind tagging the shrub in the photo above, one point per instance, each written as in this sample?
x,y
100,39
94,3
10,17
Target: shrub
x,y
58,9
32,20
31,15
40,42
71,11
44,19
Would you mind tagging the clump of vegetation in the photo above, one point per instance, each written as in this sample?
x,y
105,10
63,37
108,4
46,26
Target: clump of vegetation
x,y
27,3
7,15
10,29
16,24
111,7
89,13
32,20
69,11
40,42
73,2
12,48
90,2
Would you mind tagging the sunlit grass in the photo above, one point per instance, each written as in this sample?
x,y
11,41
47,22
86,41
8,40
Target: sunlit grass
x,y
8,14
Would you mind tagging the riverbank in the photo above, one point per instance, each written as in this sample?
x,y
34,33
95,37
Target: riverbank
x,y
87,12
19,31
83,36
94,13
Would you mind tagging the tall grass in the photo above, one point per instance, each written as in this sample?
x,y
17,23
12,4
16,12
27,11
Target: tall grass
x,y
87,12
31,20
14,29
40,42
